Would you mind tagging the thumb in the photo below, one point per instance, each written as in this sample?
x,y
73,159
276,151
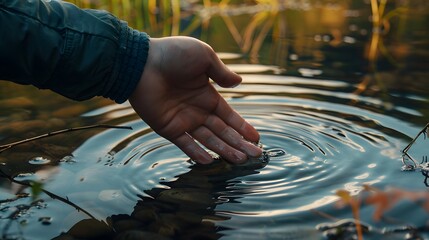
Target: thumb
x,y
221,74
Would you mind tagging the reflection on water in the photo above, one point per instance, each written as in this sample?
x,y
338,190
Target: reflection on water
x,y
329,119
139,184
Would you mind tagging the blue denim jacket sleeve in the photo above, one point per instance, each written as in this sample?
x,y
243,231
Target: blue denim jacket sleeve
x,y
74,52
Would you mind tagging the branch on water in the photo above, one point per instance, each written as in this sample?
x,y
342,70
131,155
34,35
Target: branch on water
x,y
50,194
405,154
10,145
32,184
423,131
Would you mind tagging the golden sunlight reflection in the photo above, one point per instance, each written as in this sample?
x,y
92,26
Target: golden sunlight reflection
x,y
282,80
377,180
285,89
392,153
302,179
271,170
253,68
353,187
291,161
227,55
372,165
311,206
362,176
307,72
120,113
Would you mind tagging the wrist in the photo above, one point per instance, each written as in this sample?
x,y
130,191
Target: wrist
x,y
129,64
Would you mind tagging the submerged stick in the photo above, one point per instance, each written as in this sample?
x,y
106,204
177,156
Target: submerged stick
x,y
423,131
405,154
10,145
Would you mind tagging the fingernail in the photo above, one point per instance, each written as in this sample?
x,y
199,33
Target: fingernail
x,y
252,150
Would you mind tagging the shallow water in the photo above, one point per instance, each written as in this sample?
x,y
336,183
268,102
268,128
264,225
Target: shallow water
x,y
335,131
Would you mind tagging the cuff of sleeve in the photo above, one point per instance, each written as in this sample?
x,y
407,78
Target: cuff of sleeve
x,y
132,56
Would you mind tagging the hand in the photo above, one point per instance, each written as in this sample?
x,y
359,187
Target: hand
x,y
175,98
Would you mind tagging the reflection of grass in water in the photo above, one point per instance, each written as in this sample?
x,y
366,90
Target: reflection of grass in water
x,y
164,17
381,25
274,18
158,17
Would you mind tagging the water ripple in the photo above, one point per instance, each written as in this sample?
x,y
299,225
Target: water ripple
x,y
317,147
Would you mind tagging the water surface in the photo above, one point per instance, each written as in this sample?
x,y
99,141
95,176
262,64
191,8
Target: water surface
x,y
340,118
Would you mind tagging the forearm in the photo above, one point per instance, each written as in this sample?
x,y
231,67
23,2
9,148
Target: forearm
x,y
77,53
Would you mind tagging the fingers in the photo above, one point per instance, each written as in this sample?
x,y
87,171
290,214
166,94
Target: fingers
x,y
187,144
231,138
228,143
219,73
214,143
233,119
231,147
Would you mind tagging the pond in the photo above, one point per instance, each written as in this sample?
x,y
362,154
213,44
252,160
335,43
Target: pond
x,y
336,89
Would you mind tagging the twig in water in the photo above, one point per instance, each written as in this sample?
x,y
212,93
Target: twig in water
x,y
10,145
405,154
31,184
50,194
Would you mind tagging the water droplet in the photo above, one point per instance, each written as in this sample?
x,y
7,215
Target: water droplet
x,y
307,72
41,204
424,166
326,38
39,161
293,57
45,220
372,165
276,152
407,168
317,38
24,175
68,159
348,39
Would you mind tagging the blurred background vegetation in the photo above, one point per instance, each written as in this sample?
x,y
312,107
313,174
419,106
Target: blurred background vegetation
x,y
250,22
346,38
